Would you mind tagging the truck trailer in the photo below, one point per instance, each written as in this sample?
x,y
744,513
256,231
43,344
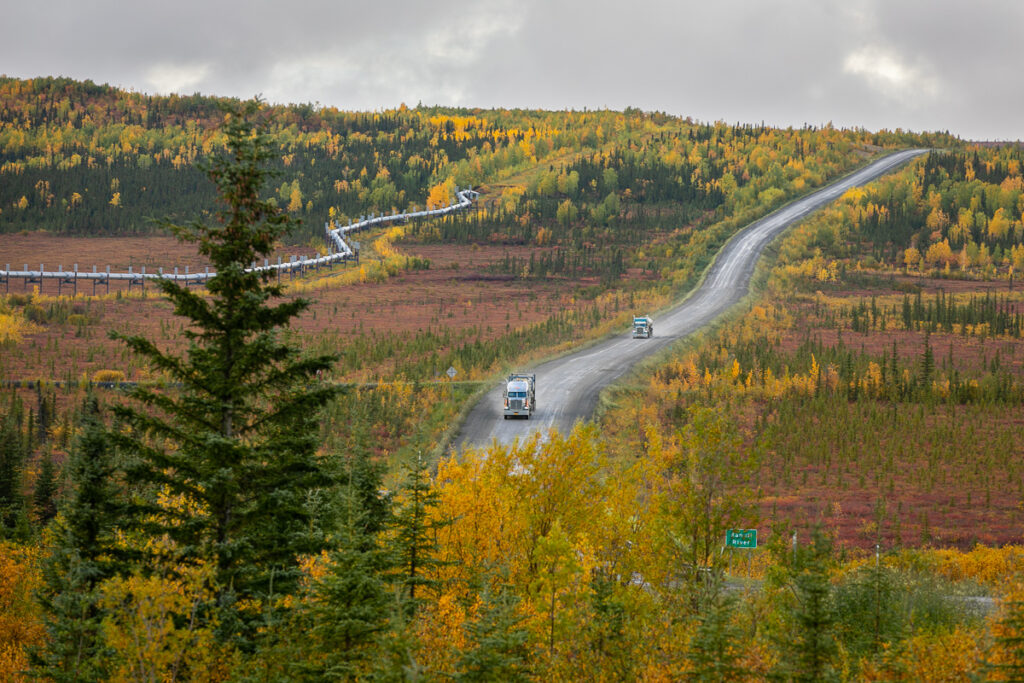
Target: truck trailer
x,y
520,395
643,327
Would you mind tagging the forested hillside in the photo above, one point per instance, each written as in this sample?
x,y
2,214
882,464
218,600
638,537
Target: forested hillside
x,y
86,159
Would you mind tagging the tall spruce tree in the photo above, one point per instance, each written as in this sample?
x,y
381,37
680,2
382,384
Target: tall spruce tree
x,y
714,650
350,603
44,496
869,610
83,555
415,529
236,444
44,418
498,641
606,627
808,644
336,631
12,465
359,485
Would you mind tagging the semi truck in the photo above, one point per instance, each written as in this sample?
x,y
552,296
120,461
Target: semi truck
x,y
643,327
520,395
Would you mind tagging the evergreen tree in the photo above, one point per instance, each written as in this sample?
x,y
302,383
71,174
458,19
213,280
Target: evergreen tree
x,y
606,629
44,497
45,415
415,528
394,658
29,439
348,608
927,365
1006,657
808,644
12,464
360,482
351,606
237,444
498,642
84,554
869,610
713,652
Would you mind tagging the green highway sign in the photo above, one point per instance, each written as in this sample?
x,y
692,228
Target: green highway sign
x,y
741,538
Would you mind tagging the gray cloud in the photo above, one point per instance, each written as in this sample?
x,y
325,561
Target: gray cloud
x,y
916,64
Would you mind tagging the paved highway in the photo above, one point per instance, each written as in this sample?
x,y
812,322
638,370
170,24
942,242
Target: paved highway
x,y
568,387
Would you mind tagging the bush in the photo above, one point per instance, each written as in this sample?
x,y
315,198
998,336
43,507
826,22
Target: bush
x,y
35,313
108,376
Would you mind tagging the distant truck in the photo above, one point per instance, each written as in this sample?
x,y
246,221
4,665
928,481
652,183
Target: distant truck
x,y
643,327
520,395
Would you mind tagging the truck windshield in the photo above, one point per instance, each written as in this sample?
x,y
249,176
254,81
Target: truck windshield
x,y
517,394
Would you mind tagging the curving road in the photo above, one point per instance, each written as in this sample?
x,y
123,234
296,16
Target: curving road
x,y
568,387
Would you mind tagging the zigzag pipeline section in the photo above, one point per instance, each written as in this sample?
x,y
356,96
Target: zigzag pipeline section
x,y
340,248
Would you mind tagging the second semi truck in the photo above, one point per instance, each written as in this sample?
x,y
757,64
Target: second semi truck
x,y
643,327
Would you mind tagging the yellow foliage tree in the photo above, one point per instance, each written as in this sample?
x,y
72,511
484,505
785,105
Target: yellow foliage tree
x,y
21,624
13,327
999,226
559,577
939,657
152,630
295,198
940,254
543,237
912,257
566,212
538,510
506,498
937,219
442,194
702,490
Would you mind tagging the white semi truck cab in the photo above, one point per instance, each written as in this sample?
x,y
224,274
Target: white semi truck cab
x,y
520,395
643,327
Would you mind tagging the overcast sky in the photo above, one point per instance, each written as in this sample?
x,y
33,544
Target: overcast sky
x,y
915,64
